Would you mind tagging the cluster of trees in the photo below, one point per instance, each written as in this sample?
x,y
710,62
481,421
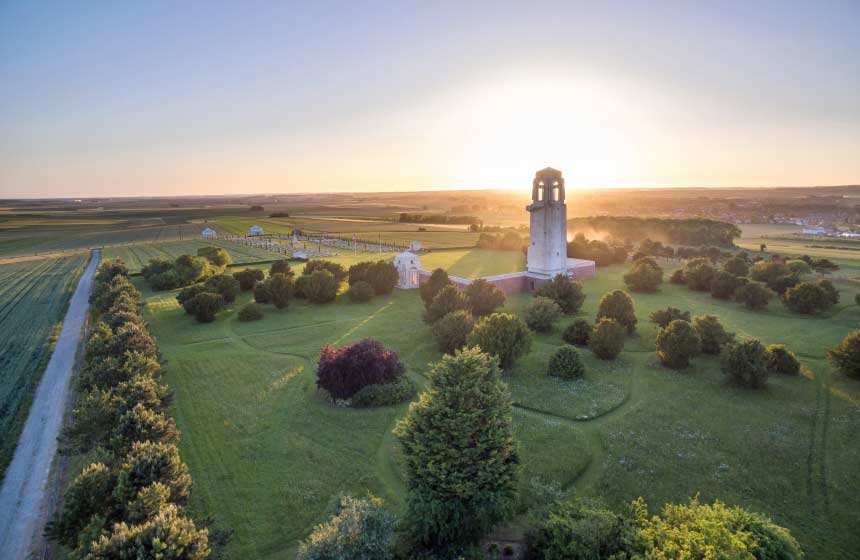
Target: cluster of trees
x,y
363,374
206,299
367,279
755,283
130,503
692,231
164,274
747,363
601,252
573,528
507,241
616,318
438,219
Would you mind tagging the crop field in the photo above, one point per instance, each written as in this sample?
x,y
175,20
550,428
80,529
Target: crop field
x,y
136,256
267,453
33,298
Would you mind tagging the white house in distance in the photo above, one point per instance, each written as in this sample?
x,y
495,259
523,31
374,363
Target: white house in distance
x,y
209,233
408,266
255,230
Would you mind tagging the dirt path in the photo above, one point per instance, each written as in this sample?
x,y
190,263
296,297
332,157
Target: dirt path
x,y
24,492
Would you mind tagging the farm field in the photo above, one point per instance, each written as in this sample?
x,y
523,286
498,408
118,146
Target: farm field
x,y
33,298
267,454
136,256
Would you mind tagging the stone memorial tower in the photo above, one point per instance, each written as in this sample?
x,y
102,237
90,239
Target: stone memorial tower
x,y
547,253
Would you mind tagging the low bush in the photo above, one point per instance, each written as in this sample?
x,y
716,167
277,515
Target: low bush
x,y
215,255
358,530
566,364
452,331
565,292
782,360
386,394
251,312
321,286
811,297
678,277
248,278
448,300
736,266
344,371
723,284
281,290
712,334
846,356
281,267
577,333
607,339
754,295
698,273
677,344
360,291
335,269
746,363
645,276
541,313
262,293
224,285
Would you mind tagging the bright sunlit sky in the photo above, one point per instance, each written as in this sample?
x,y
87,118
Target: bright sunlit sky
x,y
161,98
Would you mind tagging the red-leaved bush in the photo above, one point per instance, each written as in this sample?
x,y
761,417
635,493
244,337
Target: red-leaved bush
x,y
343,371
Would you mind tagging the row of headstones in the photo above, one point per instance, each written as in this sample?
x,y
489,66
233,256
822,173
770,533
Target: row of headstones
x,y
259,242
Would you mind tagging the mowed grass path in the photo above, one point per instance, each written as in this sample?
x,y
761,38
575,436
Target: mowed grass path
x,y
33,298
267,454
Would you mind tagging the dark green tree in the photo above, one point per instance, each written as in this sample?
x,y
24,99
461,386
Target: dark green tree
x,y
645,276
448,300
461,460
281,290
846,356
618,305
754,295
745,363
607,339
662,317
484,297
428,290
577,333
782,360
711,333
452,331
566,364
541,314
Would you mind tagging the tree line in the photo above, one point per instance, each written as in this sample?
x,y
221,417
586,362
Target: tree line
x,y
687,231
129,502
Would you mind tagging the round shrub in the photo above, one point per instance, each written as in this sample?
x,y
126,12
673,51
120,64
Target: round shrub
x,y
676,344
846,356
215,255
262,293
248,278
809,297
618,305
577,333
383,277
281,290
737,266
541,314
361,291
698,274
205,306
316,265
754,295
746,363
723,284
448,300
678,277
484,297
300,286
502,335
645,276
251,312
185,296
321,286
344,371
224,285
565,363
607,339
452,331
782,360
798,267
386,394
281,267
711,333
428,290
565,292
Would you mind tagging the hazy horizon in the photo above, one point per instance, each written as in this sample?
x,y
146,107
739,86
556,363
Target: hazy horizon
x,y
216,98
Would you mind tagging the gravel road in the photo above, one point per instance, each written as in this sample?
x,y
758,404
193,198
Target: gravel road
x,y
24,493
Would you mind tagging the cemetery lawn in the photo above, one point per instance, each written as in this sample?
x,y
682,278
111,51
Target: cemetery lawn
x,y
267,454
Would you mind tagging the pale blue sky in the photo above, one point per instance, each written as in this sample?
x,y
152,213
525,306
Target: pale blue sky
x,y
129,98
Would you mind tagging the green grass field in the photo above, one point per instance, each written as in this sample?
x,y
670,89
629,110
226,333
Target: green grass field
x,y
136,256
267,454
33,298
